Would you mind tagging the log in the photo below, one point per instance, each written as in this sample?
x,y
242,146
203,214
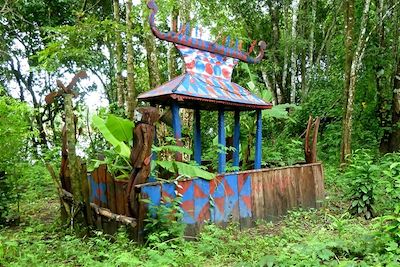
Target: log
x,y
112,216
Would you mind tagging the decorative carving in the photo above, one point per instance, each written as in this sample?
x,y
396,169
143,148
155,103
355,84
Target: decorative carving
x,y
311,152
144,134
183,38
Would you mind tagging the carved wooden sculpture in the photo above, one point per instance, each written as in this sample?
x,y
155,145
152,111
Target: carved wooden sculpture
x,y
311,152
144,134
70,173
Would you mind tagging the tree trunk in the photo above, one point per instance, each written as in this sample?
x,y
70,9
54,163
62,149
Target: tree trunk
x,y
172,53
131,94
293,57
310,74
269,86
352,64
274,85
73,164
119,57
285,57
395,133
151,53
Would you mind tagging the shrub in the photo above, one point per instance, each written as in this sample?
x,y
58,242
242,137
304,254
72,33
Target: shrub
x,y
362,175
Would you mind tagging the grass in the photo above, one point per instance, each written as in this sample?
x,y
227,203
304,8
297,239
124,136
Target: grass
x,y
328,236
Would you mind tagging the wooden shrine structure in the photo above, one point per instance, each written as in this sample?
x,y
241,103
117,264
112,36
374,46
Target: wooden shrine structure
x,y
242,196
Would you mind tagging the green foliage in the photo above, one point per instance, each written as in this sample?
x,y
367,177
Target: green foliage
x,y
389,184
362,175
391,226
164,223
117,131
14,134
178,169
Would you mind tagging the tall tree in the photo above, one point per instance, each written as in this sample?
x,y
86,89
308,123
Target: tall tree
x,y
293,56
172,53
119,50
131,94
352,65
151,51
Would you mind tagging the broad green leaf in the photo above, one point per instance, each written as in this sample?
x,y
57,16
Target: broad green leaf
x,y
193,171
119,146
120,128
172,148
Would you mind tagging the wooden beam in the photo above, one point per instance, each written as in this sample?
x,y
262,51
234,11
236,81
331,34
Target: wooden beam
x,y
221,142
258,154
112,216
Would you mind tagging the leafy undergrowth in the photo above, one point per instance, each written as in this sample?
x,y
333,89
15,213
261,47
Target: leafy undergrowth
x,y
328,236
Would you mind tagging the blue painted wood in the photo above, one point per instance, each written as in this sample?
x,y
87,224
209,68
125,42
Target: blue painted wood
x,y
221,142
201,200
244,186
197,137
154,157
177,126
176,121
231,205
258,153
153,194
236,139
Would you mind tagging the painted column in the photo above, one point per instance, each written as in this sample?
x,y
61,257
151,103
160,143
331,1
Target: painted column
x,y
221,142
197,137
258,154
236,139
176,125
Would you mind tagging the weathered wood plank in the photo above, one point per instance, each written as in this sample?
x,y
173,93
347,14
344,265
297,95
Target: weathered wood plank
x,y
120,196
318,171
102,176
307,188
231,212
201,202
268,188
86,195
111,198
258,200
95,187
245,204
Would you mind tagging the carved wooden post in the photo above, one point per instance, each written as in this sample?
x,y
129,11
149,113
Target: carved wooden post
x,y
73,164
69,145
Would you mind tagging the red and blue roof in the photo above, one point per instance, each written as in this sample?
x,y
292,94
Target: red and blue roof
x,y
207,81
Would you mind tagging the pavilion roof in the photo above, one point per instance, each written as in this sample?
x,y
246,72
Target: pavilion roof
x,y
206,83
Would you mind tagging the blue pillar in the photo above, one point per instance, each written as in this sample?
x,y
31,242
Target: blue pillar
x,y
221,142
236,139
176,125
197,137
258,154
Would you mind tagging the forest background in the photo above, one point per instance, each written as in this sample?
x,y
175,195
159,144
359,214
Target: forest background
x,y
338,60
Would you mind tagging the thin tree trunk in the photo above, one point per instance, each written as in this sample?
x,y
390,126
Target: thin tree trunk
x,y
119,57
285,56
351,75
73,164
151,53
131,94
172,53
293,57
269,86
310,75
274,85
395,129
383,111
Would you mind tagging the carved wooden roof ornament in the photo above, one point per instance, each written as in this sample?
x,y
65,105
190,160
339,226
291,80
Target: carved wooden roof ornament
x,y
184,38
206,82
